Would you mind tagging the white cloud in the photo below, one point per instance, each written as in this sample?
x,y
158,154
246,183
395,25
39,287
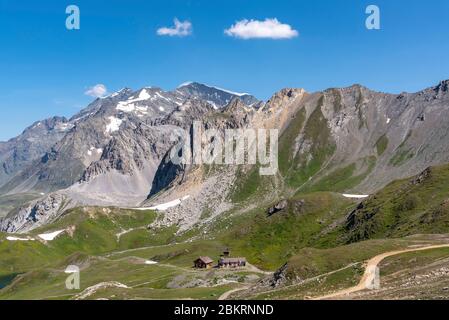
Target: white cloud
x,y
180,29
255,29
97,91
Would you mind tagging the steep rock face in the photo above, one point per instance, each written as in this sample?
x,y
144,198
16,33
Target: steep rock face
x,y
364,138
62,165
235,115
36,214
125,172
19,152
207,186
167,175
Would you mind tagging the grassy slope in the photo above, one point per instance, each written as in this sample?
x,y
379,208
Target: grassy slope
x,y
42,265
144,281
405,207
268,241
95,233
297,169
412,206
250,184
342,179
382,145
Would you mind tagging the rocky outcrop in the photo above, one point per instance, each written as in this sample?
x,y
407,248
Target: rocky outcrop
x,y
36,214
423,176
277,207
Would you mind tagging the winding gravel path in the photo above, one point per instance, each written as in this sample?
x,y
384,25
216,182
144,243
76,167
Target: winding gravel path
x,y
369,273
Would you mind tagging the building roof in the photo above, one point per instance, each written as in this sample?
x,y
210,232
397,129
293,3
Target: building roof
x,y
205,260
232,260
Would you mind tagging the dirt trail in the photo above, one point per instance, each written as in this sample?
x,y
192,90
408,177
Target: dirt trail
x,y
253,268
370,270
114,253
226,295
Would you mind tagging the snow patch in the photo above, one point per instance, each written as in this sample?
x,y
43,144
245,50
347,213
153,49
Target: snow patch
x,y
82,117
129,105
162,97
212,104
71,269
168,205
115,94
143,110
125,107
92,149
50,236
144,95
19,239
355,196
239,94
64,126
114,125
185,84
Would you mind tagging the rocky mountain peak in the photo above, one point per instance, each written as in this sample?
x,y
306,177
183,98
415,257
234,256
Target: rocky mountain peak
x,y
283,98
218,97
120,93
443,86
236,105
44,126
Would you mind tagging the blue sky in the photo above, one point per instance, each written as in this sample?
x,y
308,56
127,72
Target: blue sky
x,y
45,69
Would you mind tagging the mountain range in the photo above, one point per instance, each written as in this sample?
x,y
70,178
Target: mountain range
x,y
111,153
